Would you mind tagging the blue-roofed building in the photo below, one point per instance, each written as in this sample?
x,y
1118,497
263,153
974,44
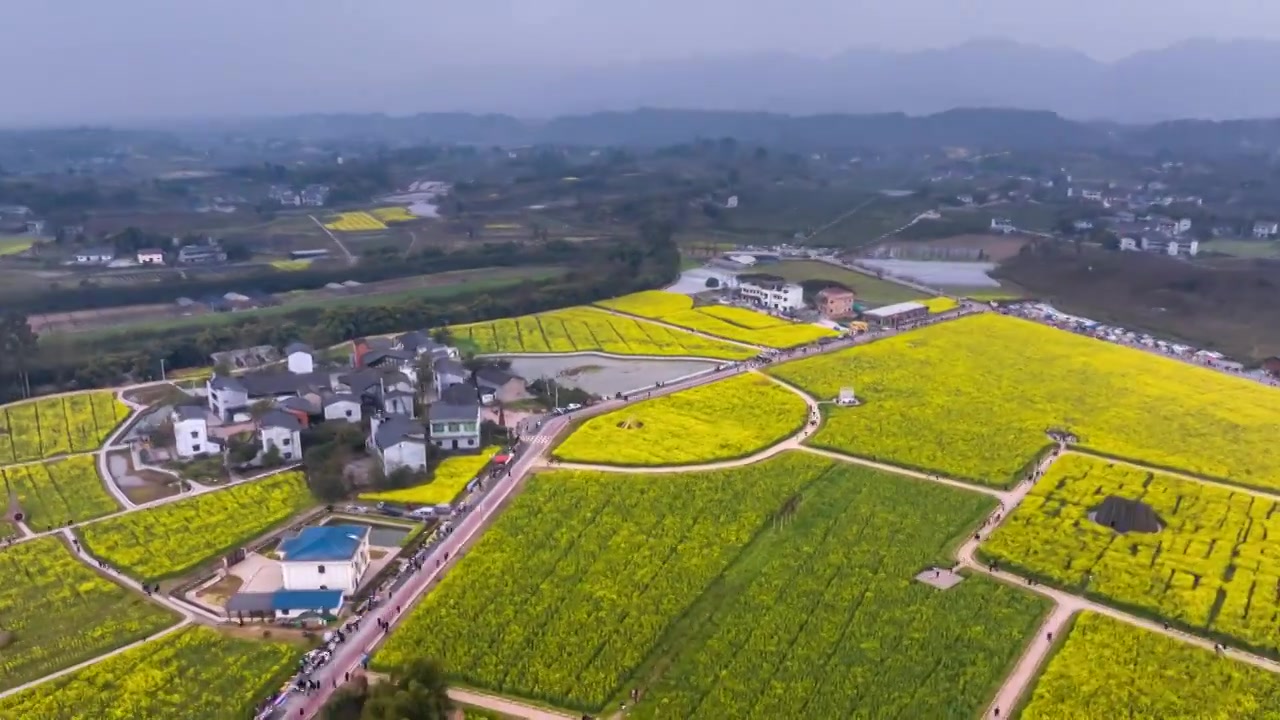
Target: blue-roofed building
x,y
285,603
326,557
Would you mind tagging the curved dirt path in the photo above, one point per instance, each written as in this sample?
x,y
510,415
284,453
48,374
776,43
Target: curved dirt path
x,y
507,706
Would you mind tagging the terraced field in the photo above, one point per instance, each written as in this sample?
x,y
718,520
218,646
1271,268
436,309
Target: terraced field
x,y
59,492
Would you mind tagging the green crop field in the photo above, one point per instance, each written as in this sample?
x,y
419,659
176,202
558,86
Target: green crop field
x,y
719,421
195,673
779,589
55,612
1107,668
974,398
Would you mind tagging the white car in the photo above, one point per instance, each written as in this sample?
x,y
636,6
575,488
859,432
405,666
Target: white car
x,y
573,406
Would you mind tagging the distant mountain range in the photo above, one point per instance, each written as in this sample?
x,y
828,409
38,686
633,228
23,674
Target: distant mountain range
x,y
1202,79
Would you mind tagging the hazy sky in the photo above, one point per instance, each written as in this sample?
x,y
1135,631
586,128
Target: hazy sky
x,y
92,59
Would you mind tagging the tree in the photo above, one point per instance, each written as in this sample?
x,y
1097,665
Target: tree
x,y
419,693
348,703
17,347
271,458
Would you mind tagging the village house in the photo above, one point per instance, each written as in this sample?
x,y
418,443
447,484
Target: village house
x,y
772,293
454,427
835,302
326,557
342,406
284,604
151,256
95,256
497,385
448,372
399,442
300,358
1264,229
191,432
282,430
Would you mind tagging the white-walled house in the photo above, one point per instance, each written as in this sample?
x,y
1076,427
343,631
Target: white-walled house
x,y
227,395
775,295
342,406
191,432
301,358
448,372
283,430
327,557
454,427
399,441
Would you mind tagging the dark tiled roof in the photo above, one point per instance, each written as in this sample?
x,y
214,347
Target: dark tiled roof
x,y
448,412
460,394
190,412
280,419
397,428
294,347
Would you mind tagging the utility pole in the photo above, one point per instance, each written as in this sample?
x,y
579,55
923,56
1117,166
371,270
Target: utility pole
x,y
162,375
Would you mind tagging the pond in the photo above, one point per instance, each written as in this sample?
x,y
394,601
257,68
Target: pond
x,y
379,534
605,376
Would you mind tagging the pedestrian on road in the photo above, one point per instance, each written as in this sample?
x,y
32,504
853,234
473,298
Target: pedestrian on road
x,y
1050,637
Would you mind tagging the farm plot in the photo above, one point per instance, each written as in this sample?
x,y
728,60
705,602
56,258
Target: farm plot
x,y
196,674
393,214
780,589
447,482
720,421
1214,566
59,492
56,612
821,618
1142,675
940,304
170,540
584,329
355,222
58,425
730,323
563,611
973,398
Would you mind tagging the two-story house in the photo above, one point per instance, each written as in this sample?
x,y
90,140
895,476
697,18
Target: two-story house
x,y
399,441
300,358
282,430
454,427
342,406
191,432
327,557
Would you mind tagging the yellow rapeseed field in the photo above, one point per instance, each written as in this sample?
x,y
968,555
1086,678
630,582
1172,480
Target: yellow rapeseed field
x,y
393,214
1212,565
583,329
940,304
355,222
973,398
731,323
447,482
723,420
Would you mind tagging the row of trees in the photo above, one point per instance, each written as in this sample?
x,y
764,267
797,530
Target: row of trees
x,y
606,270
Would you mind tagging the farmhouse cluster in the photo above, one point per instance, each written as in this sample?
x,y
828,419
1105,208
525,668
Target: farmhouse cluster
x,y
387,382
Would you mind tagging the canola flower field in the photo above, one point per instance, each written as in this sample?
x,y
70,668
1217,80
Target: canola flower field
x,y
355,222
1215,565
59,425
448,481
59,492
393,214
940,304
170,540
589,329
58,612
195,673
1107,668
719,421
778,589
731,323
974,397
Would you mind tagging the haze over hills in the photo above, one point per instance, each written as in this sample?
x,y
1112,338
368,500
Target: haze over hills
x,y
1194,79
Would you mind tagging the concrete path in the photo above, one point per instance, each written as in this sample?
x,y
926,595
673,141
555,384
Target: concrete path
x,y
351,259
508,707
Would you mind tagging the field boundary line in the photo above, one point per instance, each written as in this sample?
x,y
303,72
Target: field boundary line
x,y
673,326
1179,474
184,622
351,259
